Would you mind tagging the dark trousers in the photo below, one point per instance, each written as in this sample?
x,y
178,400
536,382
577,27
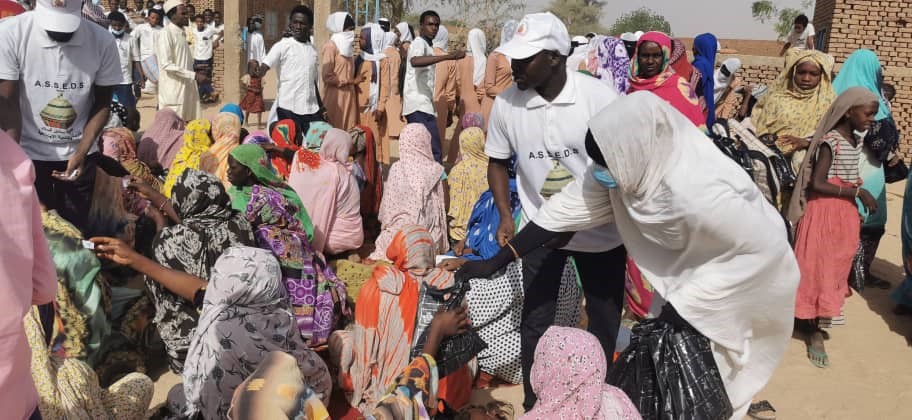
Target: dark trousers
x,y
71,199
430,122
602,277
205,68
124,95
302,121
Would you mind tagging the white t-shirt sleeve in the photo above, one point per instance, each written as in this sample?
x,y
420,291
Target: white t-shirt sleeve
x,y
9,58
497,145
134,49
109,72
419,48
582,205
809,31
273,59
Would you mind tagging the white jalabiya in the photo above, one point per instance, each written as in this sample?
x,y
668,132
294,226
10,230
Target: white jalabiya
x,y
477,47
722,81
376,41
442,40
343,39
700,231
176,79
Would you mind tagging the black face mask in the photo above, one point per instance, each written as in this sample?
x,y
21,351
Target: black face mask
x,y
60,36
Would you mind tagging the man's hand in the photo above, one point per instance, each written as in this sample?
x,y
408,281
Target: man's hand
x,y
74,168
505,232
457,55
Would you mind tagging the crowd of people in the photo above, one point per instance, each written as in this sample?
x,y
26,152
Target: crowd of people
x,y
288,271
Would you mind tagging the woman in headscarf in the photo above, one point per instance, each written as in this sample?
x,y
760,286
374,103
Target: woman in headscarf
x,y
338,71
68,388
566,376
498,73
244,317
413,193
445,83
226,131
208,226
705,46
248,165
234,109
796,102
375,351
317,297
392,122
678,60
730,103
313,139
469,83
406,36
369,66
863,69
608,62
330,193
197,139
161,142
700,256
258,137
650,71
467,181
824,207
119,144
902,296
369,174
287,136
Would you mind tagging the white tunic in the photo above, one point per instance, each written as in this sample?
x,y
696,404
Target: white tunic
x,y
177,80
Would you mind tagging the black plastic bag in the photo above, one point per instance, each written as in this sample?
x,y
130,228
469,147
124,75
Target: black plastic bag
x,y
669,373
857,276
454,351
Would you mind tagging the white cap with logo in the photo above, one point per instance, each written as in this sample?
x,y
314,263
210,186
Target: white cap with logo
x,y
59,15
535,33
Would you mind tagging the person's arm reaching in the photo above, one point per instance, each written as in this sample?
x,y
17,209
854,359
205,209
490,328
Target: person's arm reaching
x,y
785,48
430,60
811,41
182,284
499,182
11,117
101,112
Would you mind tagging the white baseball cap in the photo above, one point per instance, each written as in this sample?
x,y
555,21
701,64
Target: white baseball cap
x,y
537,32
59,15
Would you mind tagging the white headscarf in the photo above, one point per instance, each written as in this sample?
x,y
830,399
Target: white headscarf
x,y
698,228
477,47
442,40
405,35
344,40
376,34
389,40
580,53
723,81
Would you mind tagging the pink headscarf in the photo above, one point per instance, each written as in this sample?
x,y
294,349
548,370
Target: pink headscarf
x,y
568,376
413,193
162,140
331,196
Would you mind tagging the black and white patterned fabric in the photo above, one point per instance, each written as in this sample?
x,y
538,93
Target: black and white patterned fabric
x,y
496,305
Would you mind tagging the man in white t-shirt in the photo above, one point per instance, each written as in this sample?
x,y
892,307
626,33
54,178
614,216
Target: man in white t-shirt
x,y
418,89
128,53
256,46
57,76
802,36
296,62
541,122
145,34
204,43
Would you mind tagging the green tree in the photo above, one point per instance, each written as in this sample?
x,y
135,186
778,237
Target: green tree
x,y
642,19
580,16
766,11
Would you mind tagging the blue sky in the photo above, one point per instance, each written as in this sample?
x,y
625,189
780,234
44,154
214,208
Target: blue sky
x,y
724,18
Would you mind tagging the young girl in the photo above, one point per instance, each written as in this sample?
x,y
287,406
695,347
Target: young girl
x,y
253,100
824,201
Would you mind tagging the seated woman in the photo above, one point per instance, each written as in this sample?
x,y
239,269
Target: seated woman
x,y
197,139
161,142
226,131
700,255
68,388
377,348
206,227
120,144
413,194
731,94
369,174
567,377
330,194
244,315
248,165
651,70
317,296
468,180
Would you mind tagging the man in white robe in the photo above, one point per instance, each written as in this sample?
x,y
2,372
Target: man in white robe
x,y
176,81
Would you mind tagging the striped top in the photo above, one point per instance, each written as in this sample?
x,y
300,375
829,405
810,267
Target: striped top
x,y
845,157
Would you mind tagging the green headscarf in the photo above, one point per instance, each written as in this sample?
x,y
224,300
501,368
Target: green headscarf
x,y
254,158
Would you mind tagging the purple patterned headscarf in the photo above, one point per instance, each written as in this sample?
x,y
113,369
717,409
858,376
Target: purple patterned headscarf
x,y
472,119
257,137
609,61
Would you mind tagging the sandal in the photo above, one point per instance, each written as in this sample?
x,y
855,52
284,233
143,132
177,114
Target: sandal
x,y
818,358
762,410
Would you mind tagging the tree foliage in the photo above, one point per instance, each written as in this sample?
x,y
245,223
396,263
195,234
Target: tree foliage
x,y
580,16
765,11
642,19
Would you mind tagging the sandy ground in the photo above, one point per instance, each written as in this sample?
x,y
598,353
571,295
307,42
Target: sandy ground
x,y
869,377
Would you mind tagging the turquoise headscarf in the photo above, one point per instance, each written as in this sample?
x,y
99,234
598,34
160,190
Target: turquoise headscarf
x,y
863,69
234,109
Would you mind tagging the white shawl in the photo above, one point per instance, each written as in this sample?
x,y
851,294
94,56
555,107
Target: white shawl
x,y
477,48
404,34
343,39
442,40
698,228
376,35
722,81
